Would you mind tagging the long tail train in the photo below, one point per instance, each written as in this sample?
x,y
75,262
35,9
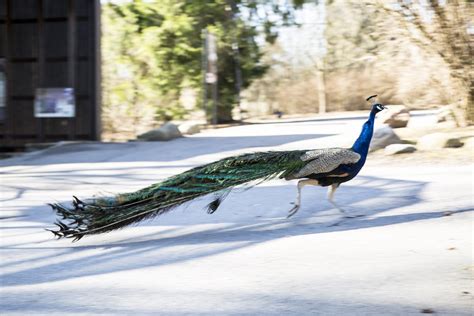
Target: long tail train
x,y
107,214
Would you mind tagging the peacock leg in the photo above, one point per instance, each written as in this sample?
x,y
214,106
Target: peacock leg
x,y
331,191
297,203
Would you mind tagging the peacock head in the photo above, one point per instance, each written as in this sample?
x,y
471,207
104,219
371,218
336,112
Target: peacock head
x,y
376,107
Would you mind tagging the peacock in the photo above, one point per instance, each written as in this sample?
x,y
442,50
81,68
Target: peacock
x,y
327,167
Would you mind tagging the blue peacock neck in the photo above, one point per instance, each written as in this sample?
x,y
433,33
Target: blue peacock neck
x,y
361,145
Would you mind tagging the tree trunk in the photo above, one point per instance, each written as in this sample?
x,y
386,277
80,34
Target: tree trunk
x,y
321,92
462,109
470,105
224,114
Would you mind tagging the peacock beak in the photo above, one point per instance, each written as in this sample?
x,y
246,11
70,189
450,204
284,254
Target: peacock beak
x,y
380,107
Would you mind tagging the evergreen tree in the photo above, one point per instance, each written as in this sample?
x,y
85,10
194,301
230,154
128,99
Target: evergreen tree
x,y
153,49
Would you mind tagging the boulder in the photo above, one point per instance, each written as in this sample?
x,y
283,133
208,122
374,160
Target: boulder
x,y
454,142
167,131
189,128
395,149
395,116
438,141
383,137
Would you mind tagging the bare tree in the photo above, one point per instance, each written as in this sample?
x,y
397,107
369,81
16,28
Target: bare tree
x,y
446,29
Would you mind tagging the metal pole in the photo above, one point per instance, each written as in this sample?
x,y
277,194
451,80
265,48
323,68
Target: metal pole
x,y
212,75
204,72
236,55
238,74
214,102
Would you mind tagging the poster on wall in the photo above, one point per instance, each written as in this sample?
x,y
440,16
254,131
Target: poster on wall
x,y
55,102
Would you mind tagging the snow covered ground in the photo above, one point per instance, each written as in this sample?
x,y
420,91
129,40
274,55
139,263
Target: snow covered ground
x,y
405,256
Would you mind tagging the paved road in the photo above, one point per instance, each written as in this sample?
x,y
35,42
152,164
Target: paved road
x,y
404,256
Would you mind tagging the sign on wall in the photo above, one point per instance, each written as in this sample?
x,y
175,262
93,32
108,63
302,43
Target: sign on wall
x,y
55,102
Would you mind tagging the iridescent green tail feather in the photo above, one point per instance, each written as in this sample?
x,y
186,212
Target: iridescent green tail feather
x,y
106,214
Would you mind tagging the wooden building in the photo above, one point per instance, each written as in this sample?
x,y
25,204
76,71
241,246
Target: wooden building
x,y
49,71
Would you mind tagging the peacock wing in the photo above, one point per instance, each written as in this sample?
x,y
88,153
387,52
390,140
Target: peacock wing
x,y
323,161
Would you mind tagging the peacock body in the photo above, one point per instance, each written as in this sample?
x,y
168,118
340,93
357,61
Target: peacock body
x,y
323,167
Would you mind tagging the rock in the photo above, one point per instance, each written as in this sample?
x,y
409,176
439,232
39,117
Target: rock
x,y
395,116
189,128
438,141
167,131
399,149
454,143
383,137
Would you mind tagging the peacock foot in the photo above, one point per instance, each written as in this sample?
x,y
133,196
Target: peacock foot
x,y
293,210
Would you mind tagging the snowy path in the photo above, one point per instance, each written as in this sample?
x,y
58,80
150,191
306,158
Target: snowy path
x,y
404,256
